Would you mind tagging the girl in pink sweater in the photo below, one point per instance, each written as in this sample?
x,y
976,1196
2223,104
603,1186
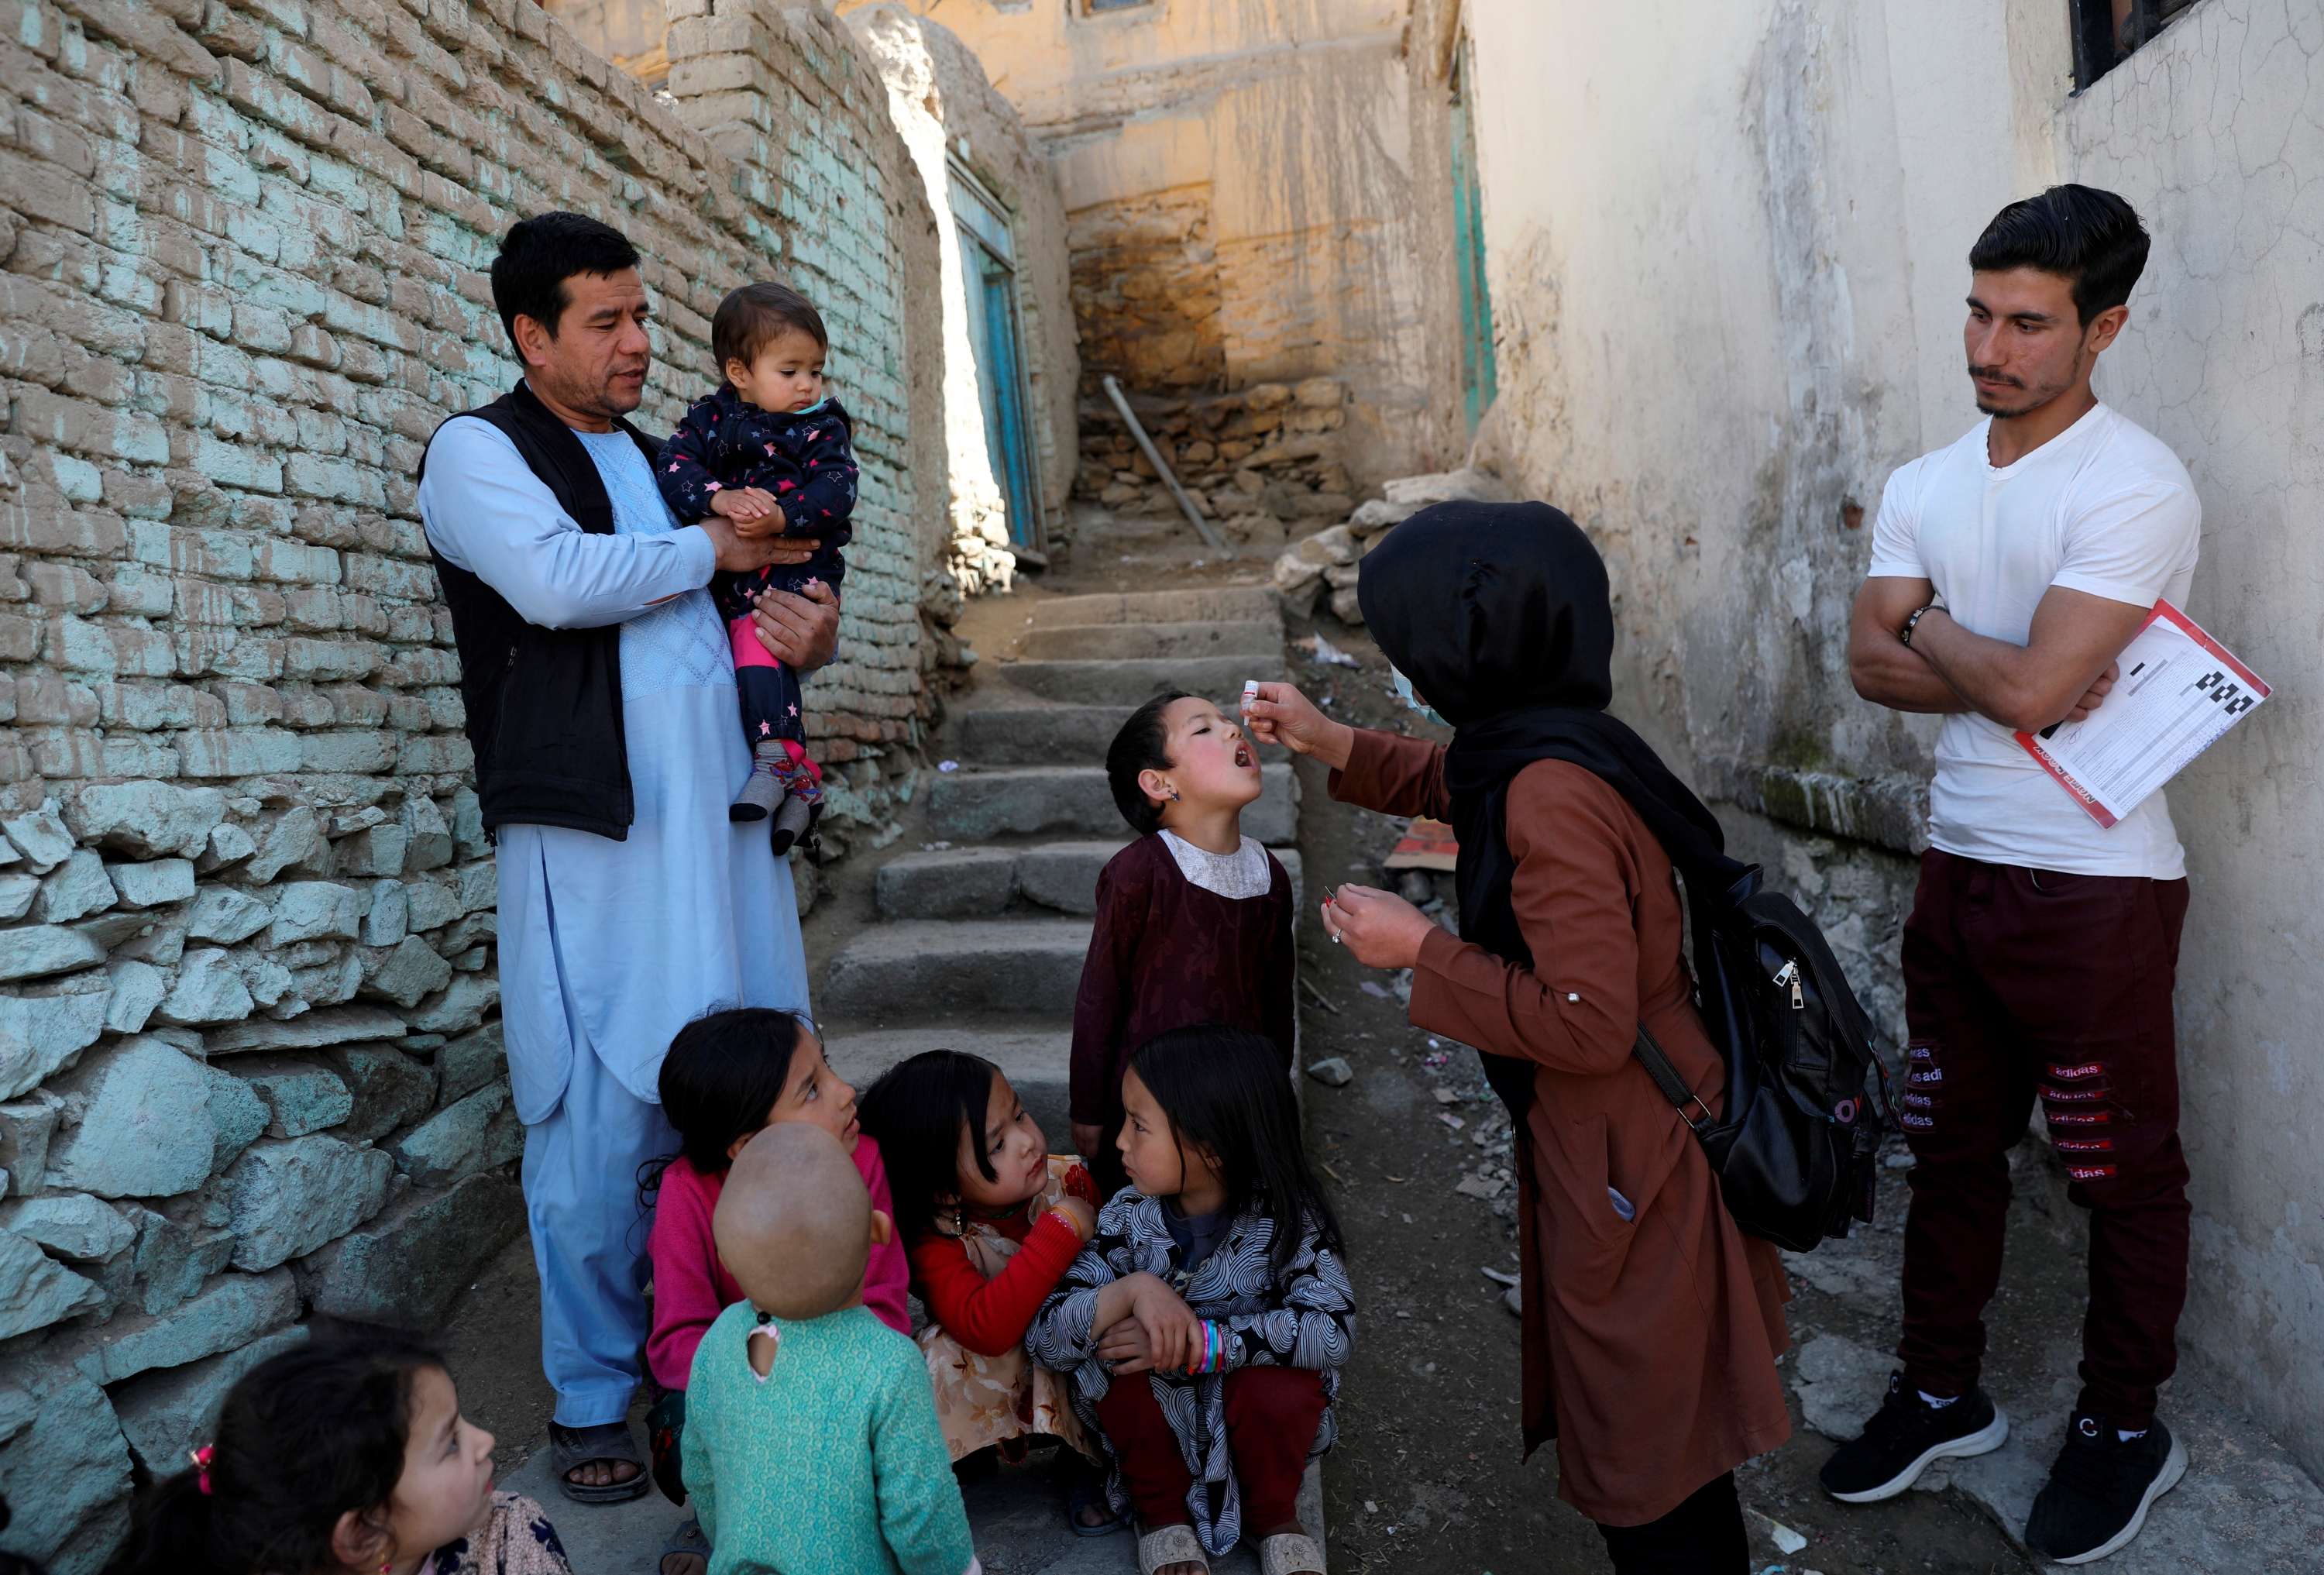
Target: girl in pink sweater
x,y
727,1077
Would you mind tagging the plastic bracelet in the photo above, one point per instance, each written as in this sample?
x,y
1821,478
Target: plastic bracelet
x,y
1070,1223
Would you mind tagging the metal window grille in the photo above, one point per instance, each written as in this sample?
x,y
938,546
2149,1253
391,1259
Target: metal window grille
x,y
2106,31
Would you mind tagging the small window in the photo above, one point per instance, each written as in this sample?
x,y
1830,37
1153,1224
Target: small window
x,y
2106,31
1100,7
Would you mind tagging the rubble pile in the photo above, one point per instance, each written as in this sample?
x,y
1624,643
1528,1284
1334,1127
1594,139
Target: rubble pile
x,y
1261,461
1324,563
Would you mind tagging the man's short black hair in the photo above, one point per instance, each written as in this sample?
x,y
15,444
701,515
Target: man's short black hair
x,y
538,255
1143,744
754,315
2089,237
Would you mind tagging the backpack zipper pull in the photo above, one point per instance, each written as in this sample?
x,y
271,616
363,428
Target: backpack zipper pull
x,y
1789,974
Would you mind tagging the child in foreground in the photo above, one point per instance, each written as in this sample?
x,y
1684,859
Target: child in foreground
x,y
813,1446
1194,919
770,451
991,1221
1245,1347
727,1077
334,1457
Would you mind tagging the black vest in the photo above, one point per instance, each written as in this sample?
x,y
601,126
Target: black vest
x,y
544,705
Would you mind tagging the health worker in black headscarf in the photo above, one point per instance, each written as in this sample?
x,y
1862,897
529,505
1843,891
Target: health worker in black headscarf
x,y
1651,1323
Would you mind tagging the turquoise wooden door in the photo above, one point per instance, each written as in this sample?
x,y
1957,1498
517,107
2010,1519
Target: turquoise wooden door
x,y
1478,384
989,275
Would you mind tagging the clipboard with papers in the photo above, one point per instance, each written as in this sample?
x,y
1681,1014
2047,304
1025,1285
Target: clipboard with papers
x,y
2179,691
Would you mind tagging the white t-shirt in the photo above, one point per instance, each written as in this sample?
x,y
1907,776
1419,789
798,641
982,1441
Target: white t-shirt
x,y
2103,508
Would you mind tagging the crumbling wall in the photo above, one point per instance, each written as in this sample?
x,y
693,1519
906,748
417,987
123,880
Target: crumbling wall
x,y
1249,200
250,1064
1261,462
945,110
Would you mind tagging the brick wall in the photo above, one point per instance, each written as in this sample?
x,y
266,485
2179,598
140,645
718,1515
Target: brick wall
x,y
250,1064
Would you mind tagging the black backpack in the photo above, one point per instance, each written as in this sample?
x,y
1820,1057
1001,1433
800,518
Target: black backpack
x,y
1795,1154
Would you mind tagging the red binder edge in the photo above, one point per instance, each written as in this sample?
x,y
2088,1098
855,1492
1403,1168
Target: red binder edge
x,y
2192,630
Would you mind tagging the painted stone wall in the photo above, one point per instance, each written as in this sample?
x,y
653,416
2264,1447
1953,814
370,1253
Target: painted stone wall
x,y
250,1063
945,110
1723,329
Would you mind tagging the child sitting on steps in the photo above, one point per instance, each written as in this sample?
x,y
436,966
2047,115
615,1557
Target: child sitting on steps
x,y
991,1221
1210,1400
813,1443
1194,919
727,1077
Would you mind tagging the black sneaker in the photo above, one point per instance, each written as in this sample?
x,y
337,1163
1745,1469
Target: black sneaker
x,y
1904,1436
2101,1488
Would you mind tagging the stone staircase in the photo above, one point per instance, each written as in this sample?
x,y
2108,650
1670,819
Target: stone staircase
x,y
981,932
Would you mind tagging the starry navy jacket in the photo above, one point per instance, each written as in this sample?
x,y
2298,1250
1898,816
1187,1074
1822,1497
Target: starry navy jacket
x,y
803,457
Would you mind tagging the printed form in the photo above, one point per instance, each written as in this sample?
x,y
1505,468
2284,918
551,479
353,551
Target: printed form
x,y
2179,690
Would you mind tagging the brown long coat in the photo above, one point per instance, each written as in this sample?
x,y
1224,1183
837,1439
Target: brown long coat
x,y
1650,1344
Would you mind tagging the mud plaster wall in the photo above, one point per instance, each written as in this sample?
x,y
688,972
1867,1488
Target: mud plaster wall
x,y
1727,250
943,107
1244,190
250,1062
2216,130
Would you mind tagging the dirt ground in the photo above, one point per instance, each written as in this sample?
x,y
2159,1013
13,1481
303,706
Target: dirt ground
x,y
1426,1476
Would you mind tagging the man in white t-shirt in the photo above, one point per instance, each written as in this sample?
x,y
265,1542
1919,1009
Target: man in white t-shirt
x,y
2008,572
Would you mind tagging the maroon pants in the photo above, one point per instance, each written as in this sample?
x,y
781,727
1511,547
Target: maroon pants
x,y
1271,1418
2020,983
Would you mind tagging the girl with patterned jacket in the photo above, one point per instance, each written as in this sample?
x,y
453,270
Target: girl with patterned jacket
x,y
1206,1322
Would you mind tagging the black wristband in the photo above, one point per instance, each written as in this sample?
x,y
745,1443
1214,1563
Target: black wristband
x,y
1906,633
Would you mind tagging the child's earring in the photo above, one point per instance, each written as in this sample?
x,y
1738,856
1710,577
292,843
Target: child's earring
x,y
1174,796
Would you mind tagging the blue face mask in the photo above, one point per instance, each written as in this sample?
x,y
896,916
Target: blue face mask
x,y
1403,692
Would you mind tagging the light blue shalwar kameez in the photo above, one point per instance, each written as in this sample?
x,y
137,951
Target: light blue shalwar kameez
x,y
607,948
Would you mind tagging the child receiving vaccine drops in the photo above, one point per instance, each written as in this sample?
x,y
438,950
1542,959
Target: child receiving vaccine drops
x,y
811,1442
1194,919
1236,1363
768,450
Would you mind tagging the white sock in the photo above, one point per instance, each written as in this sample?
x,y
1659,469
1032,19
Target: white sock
x,y
1930,1399
2126,1437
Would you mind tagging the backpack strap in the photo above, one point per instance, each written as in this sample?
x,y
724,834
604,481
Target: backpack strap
x,y
1666,1078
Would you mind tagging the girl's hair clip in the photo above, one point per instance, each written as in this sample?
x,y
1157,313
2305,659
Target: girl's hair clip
x,y
202,1458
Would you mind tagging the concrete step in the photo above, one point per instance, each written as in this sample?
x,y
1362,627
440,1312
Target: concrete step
x,y
1036,735
1019,1520
1038,1062
1133,683
1044,734
975,806
1151,641
923,968
1209,604
954,883
946,883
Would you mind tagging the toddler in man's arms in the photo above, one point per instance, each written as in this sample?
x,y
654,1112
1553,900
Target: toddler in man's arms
x,y
768,450
811,1440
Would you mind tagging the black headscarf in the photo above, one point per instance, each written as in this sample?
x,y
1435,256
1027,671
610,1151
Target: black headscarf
x,y
1498,614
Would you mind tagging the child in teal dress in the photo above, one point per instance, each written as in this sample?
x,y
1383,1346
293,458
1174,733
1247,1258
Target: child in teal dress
x,y
811,1440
